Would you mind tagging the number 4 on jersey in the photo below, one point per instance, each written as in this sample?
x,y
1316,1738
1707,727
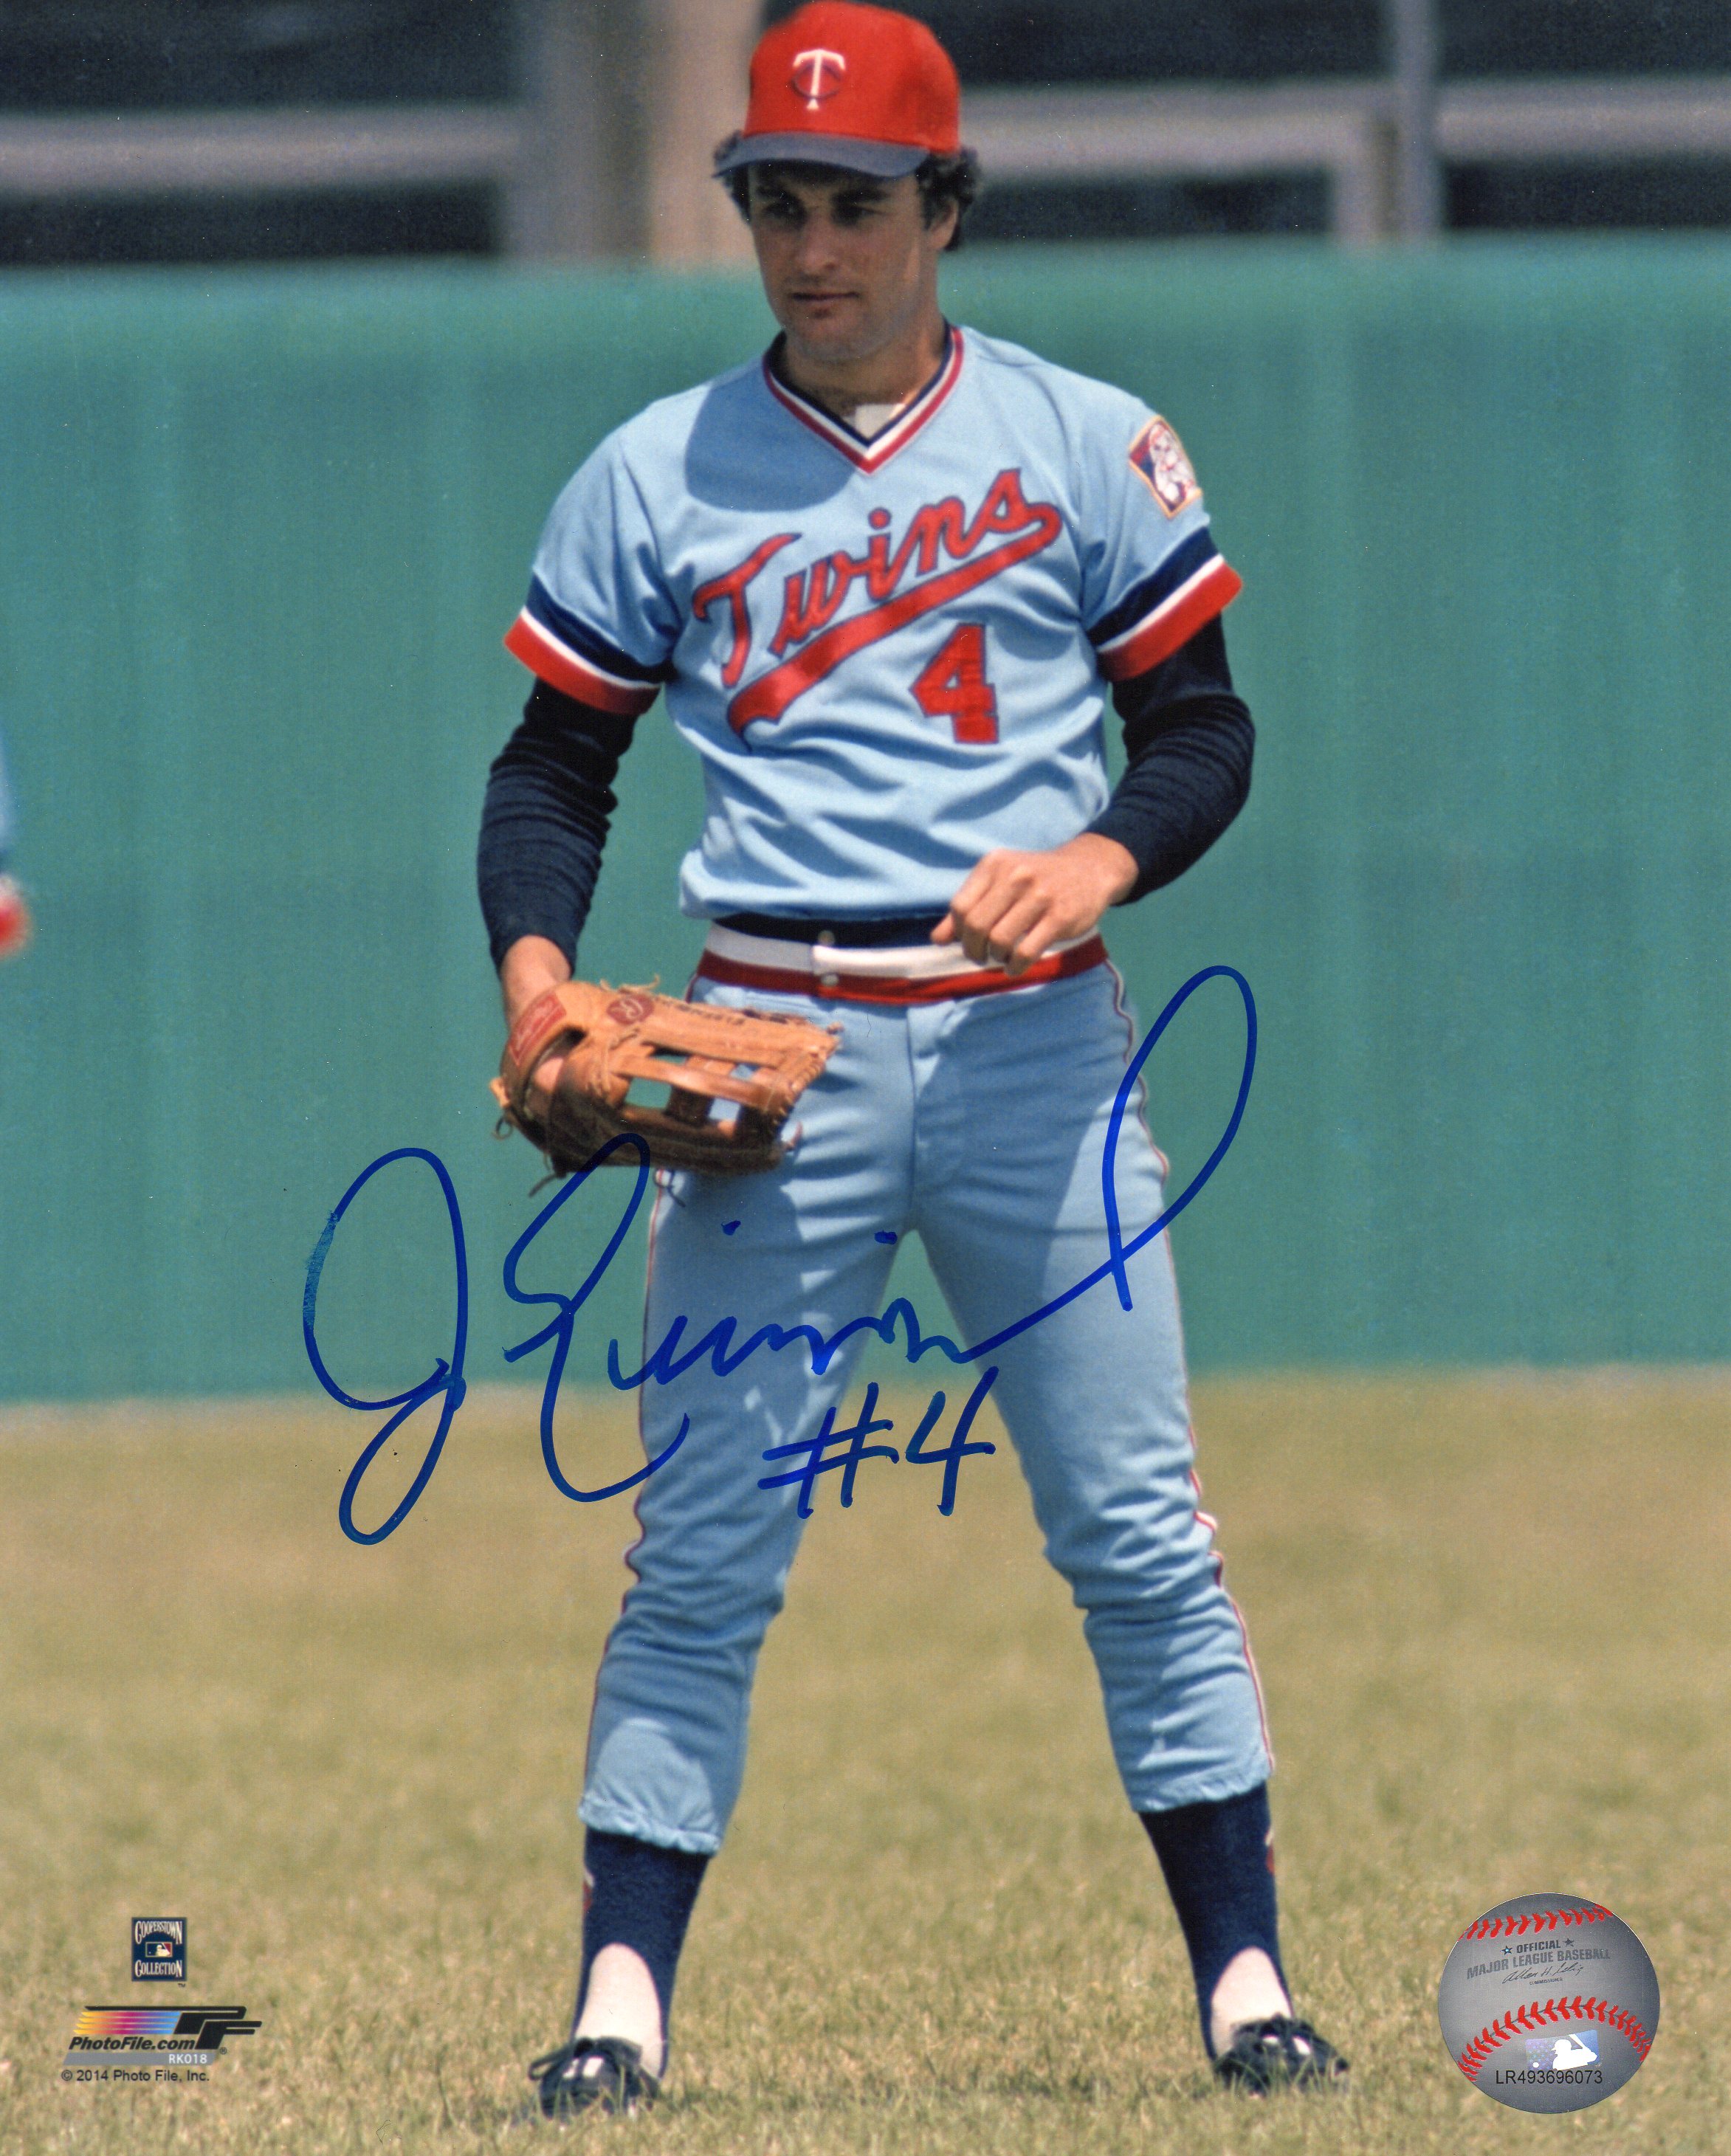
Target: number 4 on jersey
x,y
954,686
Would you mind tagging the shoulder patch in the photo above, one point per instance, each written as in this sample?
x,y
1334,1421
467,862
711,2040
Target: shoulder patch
x,y
1158,457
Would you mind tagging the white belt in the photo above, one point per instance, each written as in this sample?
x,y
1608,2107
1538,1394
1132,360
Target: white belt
x,y
911,962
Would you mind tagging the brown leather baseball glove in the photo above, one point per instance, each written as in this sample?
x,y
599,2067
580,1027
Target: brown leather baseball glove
x,y
614,1040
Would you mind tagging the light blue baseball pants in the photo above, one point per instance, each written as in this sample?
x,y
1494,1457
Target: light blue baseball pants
x,y
979,1123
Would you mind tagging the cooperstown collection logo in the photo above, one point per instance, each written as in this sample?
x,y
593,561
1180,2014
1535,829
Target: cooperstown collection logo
x,y
159,1949
903,579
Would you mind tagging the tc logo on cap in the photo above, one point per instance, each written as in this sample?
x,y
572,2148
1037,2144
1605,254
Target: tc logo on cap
x,y
812,76
865,89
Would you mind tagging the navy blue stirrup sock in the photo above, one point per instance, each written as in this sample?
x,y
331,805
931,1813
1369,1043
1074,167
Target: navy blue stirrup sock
x,y
1220,1875
638,1896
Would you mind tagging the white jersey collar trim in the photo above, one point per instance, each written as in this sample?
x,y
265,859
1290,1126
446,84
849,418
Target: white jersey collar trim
x,y
870,456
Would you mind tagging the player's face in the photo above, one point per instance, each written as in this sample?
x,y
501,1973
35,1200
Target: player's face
x,y
850,264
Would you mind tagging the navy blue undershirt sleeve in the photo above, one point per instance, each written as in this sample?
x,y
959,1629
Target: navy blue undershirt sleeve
x,y
549,802
1190,739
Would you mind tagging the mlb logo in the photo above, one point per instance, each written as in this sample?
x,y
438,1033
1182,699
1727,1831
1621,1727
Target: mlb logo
x,y
1553,2054
159,1949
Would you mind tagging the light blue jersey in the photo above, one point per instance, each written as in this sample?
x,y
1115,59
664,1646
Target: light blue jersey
x,y
892,655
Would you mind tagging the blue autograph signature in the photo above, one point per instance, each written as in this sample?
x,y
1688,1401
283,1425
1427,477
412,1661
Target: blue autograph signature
x,y
447,1384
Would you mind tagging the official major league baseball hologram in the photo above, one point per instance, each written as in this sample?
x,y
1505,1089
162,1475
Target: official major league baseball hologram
x,y
1549,2002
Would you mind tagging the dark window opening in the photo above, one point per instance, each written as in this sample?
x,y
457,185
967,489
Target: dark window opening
x,y
1153,209
262,228
1584,36
1057,41
1654,196
134,55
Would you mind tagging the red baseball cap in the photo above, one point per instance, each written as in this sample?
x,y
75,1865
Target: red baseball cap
x,y
839,84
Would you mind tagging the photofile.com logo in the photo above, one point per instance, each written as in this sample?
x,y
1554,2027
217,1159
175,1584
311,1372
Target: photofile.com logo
x,y
109,2032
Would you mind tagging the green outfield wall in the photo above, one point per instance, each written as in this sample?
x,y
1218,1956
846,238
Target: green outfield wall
x,y
260,534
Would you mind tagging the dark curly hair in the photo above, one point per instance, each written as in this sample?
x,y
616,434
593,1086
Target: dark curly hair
x,y
943,181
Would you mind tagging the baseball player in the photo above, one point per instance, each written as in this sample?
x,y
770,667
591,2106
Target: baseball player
x,y
886,578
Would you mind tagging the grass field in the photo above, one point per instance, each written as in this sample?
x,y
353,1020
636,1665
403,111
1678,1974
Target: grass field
x,y
1493,1624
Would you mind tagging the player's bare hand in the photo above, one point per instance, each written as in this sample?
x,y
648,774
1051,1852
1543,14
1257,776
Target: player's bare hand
x,y
529,969
1015,907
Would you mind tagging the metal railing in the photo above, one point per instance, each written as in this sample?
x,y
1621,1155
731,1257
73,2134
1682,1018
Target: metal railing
x,y
1348,131
1352,132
